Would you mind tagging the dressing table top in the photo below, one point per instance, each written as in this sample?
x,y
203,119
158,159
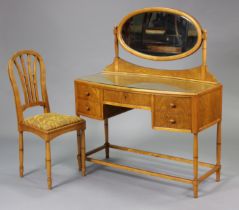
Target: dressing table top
x,y
134,77
149,82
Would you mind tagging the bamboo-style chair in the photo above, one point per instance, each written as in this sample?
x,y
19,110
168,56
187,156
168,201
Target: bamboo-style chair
x,y
28,65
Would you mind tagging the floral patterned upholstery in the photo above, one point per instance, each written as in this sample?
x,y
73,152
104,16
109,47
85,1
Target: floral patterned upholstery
x,y
49,121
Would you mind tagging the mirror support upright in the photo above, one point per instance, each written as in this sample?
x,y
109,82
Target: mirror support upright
x,y
204,54
116,46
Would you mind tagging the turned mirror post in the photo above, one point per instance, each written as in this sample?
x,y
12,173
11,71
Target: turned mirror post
x,y
116,46
204,54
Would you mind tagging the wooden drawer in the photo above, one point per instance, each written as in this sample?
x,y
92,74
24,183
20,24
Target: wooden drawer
x,y
113,96
173,112
137,99
127,98
88,92
88,108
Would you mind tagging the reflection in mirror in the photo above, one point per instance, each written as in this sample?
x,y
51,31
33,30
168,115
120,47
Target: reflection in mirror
x,y
159,33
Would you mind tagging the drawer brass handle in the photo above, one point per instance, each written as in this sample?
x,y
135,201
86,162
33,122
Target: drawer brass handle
x,y
87,94
87,108
172,121
172,105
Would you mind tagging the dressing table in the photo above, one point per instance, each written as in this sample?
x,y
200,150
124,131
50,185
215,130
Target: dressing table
x,y
188,100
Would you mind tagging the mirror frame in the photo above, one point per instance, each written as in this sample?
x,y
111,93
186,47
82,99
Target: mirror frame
x,y
160,58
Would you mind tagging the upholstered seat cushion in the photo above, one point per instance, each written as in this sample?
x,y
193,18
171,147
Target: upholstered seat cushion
x,y
49,121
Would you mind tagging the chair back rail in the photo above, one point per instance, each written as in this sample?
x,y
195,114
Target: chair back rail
x,y
27,65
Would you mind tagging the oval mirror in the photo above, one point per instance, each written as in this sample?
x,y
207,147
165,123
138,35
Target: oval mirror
x,y
160,34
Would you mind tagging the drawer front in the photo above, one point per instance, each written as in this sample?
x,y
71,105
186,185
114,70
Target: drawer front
x,y
127,98
113,96
89,108
173,112
136,99
88,92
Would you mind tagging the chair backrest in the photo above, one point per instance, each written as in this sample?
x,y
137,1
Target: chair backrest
x,y
29,68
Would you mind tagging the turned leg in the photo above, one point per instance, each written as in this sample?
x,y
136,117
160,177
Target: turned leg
x,y
48,165
79,149
219,148
195,165
21,153
82,148
106,127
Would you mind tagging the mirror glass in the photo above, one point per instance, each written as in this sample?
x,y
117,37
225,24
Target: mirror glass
x,y
159,33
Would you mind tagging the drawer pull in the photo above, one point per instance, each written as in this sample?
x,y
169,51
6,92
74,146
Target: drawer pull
x,y
172,105
87,108
172,121
87,94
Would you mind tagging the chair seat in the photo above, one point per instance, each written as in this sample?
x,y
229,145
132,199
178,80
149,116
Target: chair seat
x,y
50,121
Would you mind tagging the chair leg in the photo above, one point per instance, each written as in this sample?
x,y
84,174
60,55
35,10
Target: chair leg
x,y
106,128
48,165
219,143
195,165
21,154
79,149
82,148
